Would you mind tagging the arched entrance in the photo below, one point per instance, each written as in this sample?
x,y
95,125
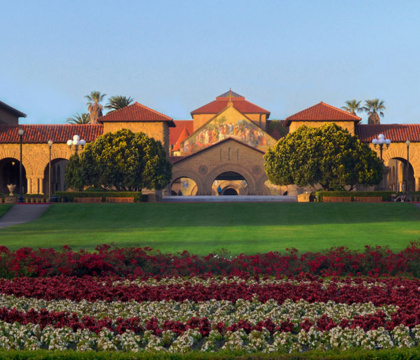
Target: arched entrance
x,y
397,175
229,191
230,183
9,174
184,186
58,167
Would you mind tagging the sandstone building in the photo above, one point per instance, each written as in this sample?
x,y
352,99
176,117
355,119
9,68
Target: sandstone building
x,y
219,152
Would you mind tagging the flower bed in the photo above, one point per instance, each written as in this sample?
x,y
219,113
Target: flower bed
x,y
146,262
207,314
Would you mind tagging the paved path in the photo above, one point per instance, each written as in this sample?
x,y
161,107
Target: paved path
x,y
20,214
240,198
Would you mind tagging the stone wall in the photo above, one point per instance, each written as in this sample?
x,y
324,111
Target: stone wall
x,y
229,156
157,130
349,125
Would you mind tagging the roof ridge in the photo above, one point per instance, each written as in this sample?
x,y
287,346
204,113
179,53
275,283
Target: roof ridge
x,y
116,111
289,118
135,104
343,111
156,112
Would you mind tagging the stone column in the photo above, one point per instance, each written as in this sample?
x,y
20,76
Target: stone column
x,y
29,185
41,185
417,183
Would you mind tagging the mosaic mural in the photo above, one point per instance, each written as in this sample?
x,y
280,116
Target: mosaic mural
x,y
222,128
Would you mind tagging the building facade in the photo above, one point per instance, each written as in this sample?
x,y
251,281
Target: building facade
x,y
218,152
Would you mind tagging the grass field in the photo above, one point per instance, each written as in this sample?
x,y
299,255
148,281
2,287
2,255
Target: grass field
x,y
203,228
4,208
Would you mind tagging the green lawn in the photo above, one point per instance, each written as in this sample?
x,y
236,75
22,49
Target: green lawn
x,y
203,228
4,208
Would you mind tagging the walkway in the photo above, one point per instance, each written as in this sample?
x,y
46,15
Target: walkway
x,y
20,214
240,198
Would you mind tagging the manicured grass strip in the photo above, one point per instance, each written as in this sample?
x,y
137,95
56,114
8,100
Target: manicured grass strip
x,y
394,354
4,208
204,227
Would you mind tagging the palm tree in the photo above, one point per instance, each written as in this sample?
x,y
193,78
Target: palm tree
x,y
353,106
374,109
118,102
94,106
79,119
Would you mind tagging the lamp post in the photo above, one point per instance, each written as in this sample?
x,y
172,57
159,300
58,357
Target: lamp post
x,y
50,144
76,142
381,141
406,171
20,199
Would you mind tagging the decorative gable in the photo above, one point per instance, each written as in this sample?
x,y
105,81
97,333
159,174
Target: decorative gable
x,y
229,123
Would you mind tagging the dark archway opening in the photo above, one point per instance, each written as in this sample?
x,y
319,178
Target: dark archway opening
x,y
230,176
9,174
230,191
229,183
397,176
58,168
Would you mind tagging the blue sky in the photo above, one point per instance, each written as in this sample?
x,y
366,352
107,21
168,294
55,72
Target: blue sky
x,y
176,56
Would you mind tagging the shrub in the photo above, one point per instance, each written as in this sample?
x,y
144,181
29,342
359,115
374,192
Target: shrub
x,y
70,195
386,195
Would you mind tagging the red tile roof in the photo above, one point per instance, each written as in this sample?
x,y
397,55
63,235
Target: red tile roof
x,y
322,112
176,131
182,137
136,112
394,132
239,103
34,134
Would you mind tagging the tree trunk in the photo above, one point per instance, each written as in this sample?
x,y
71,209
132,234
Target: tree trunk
x,y
374,119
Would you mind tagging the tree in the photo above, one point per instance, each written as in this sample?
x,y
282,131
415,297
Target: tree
x,y
79,119
94,106
353,106
124,161
118,102
374,109
329,156
73,176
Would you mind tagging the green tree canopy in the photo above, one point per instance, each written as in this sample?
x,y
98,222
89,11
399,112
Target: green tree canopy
x,y
122,160
328,155
118,102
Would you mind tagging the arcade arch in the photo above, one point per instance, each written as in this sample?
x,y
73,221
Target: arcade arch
x,y
397,175
9,174
184,186
229,183
233,173
58,167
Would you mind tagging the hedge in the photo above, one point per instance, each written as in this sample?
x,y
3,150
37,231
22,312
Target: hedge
x,y
70,195
357,354
386,195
